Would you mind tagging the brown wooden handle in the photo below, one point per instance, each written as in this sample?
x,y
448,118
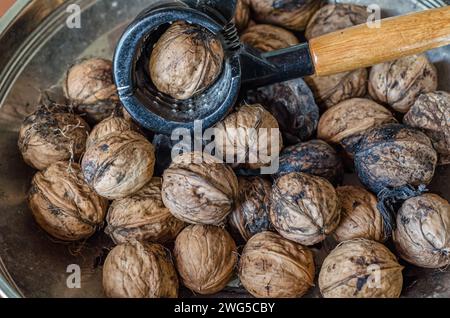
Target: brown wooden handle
x,y
362,46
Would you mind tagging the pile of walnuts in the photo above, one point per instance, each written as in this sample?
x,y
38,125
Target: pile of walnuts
x,y
203,223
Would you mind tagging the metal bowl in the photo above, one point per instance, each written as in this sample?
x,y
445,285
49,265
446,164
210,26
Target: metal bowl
x,y
37,48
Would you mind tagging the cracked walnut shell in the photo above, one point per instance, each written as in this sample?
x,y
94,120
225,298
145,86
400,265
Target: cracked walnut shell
x,y
140,270
205,257
273,267
64,205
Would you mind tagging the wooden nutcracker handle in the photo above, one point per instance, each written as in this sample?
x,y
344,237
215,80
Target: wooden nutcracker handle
x,y
362,46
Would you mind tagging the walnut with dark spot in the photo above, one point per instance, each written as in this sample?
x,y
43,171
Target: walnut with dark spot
x,y
267,38
304,208
273,267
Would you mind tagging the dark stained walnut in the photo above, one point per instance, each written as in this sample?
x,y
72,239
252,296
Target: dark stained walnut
x,y
140,270
251,215
292,104
393,156
401,82
314,157
53,133
360,217
290,14
422,236
273,267
304,208
206,257
267,38
89,85
64,205
199,189
143,217
431,114
185,61
361,269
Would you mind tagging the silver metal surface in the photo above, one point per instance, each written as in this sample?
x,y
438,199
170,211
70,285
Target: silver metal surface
x,y
36,50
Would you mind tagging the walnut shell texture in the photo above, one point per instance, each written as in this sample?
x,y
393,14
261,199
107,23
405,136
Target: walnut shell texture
x,y
251,215
314,157
393,156
273,267
242,14
305,208
267,38
431,114
292,104
110,125
351,119
89,84
361,269
290,14
63,204
119,164
401,82
52,134
360,217
140,270
199,189
206,257
185,61
422,236
143,217
244,135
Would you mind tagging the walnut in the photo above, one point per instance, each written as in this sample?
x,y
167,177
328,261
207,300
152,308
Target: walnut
x,y
266,38
51,134
140,270
273,267
89,84
251,215
185,61
360,217
292,104
205,257
63,204
143,217
392,156
361,269
110,125
242,14
248,133
291,14
199,189
119,164
304,208
401,82
346,122
422,236
314,157
431,114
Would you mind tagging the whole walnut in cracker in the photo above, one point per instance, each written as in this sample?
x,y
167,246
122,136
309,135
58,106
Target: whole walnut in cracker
x,y
206,257
267,38
361,269
290,14
360,217
119,164
89,84
401,82
251,215
140,270
185,61
143,217
51,134
431,114
199,189
422,236
64,205
304,208
273,267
